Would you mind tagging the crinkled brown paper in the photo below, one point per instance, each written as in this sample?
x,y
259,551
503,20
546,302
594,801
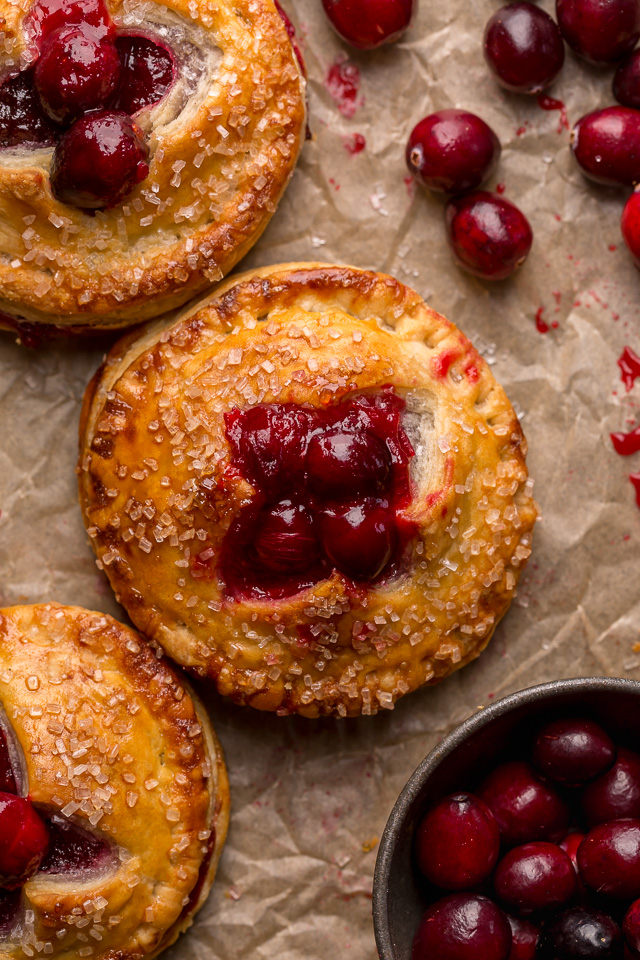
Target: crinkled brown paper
x,y
310,798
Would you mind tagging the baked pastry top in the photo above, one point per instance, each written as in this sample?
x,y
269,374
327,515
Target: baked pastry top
x,y
121,762
222,144
309,488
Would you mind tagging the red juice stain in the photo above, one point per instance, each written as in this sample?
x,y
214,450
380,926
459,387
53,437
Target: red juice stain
x,y
521,131
440,364
557,296
635,480
500,188
558,217
541,325
548,103
613,247
626,443
343,83
629,364
336,186
410,184
354,143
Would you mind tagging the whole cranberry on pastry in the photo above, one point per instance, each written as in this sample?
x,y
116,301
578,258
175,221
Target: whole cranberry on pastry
x,y
23,840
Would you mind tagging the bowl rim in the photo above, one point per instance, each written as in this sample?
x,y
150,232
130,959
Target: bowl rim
x,y
476,721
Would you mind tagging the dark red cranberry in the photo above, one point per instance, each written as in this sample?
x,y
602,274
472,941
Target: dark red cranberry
x,y
626,82
366,24
22,119
285,539
463,926
535,876
630,226
46,16
452,151
524,937
457,843
99,161
616,793
609,859
73,849
601,31
489,236
23,840
147,73
523,47
606,144
573,751
525,807
580,933
343,464
631,926
358,537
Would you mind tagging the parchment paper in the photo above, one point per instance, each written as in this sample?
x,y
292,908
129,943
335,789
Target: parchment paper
x,y
310,798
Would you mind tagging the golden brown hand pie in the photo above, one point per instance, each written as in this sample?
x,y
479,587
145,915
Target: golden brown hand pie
x,y
121,760
309,488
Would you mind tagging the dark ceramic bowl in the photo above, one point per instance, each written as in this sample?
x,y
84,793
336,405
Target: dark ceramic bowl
x,y
461,759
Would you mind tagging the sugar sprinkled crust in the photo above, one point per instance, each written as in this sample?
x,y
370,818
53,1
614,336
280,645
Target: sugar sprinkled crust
x,y
223,144
153,448
113,739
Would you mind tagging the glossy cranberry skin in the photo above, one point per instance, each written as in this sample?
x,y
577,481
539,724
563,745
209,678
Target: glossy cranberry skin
x,y
535,876
631,926
525,807
580,933
457,843
616,793
463,926
99,161
524,937
285,538
609,859
523,47
452,151
606,144
358,537
573,751
489,236
601,31
147,72
341,464
46,16
630,226
22,119
23,840
366,24
626,82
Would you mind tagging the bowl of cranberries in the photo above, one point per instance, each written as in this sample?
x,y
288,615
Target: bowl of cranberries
x,y
518,836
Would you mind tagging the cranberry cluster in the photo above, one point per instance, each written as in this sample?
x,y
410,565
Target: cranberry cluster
x,y
523,879
80,95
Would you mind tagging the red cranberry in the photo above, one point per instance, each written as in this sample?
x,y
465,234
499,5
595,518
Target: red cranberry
x,y
22,119
457,843
616,793
99,161
46,16
523,47
630,226
489,236
599,30
72,849
609,859
23,840
524,806
463,926
606,144
452,151
366,24
631,926
580,933
626,82
573,751
147,72
524,937
343,464
285,538
358,537
535,876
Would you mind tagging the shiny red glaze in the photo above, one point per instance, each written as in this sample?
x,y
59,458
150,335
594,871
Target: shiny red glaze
x,y
23,840
489,236
285,540
341,464
626,82
523,47
616,793
535,876
147,73
366,24
626,444
48,15
573,751
452,151
463,926
606,145
631,926
609,859
72,849
359,537
601,31
525,807
457,843
22,119
524,937
580,933
99,161
630,226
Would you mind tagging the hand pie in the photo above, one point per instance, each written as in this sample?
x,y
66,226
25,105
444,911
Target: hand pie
x,y
114,783
143,149
309,488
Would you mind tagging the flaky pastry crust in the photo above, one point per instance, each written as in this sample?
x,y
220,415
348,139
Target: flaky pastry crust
x,y
153,447
113,739
223,145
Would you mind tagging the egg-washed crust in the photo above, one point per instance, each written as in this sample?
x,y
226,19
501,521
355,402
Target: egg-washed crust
x,y
153,451
217,172
115,740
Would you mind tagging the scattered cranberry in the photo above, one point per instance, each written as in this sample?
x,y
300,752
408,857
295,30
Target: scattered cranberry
x,y
523,47
630,226
631,926
580,933
462,823
535,876
609,859
341,464
463,926
626,82
285,539
366,24
616,793
23,840
489,236
99,161
606,144
452,151
573,751
147,73
22,119
601,31
358,537
525,807
524,937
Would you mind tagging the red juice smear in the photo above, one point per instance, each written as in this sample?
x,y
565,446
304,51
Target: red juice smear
x,y
548,103
343,83
629,364
500,188
354,143
541,325
626,443
635,480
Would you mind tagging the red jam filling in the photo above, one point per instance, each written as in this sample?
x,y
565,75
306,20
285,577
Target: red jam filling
x,y
7,779
72,849
146,73
330,486
22,118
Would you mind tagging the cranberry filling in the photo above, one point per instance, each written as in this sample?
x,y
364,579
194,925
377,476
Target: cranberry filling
x,y
22,119
146,73
9,910
72,848
7,778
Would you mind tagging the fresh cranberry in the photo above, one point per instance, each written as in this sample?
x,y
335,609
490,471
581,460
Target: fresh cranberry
x,y
525,807
606,144
366,24
463,926
147,73
524,937
609,859
626,82
631,926
358,537
535,876
23,840
630,226
457,843
343,464
46,16
599,30
573,751
523,47
489,236
22,119
73,849
99,161
580,933
452,151
285,538
616,793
